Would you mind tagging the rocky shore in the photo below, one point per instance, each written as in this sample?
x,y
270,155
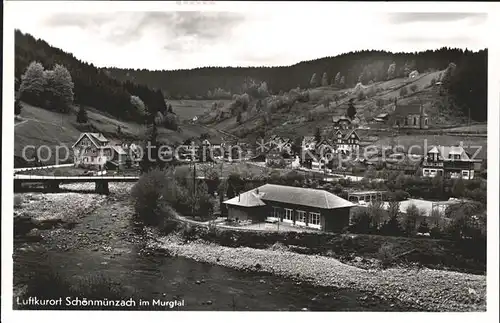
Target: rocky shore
x,y
424,289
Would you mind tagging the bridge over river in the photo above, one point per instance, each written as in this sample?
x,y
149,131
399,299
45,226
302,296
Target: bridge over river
x,y
51,182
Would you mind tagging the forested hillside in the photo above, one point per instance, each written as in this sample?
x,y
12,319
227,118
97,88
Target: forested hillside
x,y
341,71
92,86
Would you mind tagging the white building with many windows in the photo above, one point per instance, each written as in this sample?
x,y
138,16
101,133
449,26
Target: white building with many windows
x,y
295,206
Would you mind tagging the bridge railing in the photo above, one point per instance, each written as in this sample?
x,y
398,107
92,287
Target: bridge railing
x,y
79,176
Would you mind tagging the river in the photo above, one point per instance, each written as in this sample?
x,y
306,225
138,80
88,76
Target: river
x,y
107,242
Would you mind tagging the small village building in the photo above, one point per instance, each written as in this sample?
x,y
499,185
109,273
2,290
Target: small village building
x,y
363,197
275,157
411,116
432,212
449,162
295,206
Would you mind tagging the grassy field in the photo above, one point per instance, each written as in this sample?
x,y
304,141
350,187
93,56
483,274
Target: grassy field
x,y
475,128
225,169
304,117
188,109
40,127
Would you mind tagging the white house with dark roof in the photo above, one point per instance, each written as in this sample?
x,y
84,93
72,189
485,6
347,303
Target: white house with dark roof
x,y
346,141
93,150
296,206
449,162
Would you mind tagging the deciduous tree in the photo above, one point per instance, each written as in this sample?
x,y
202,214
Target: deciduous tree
x,y
17,107
351,109
314,81
324,79
33,84
391,71
81,116
59,86
337,79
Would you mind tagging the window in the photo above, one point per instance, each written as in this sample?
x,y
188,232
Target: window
x,y
288,215
301,216
414,121
426,171
426,122
465,173
277,212
314,218
406,122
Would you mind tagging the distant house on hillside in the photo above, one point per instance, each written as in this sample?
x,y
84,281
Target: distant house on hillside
x,y
308,143
411,116
280,143
297,206
381,118
346,142
413,74
342,122
93,150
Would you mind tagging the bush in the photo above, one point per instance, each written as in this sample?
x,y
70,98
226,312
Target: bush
x,y
361,95
403,91
386,255
18,201
414,87
147,195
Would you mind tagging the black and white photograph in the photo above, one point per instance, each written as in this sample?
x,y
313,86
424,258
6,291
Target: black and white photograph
x,y
210,156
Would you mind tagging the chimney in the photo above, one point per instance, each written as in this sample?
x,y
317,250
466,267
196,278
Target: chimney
x,y
257,191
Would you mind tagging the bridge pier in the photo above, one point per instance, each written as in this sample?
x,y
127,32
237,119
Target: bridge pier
x,y
101,187
18,186
51,186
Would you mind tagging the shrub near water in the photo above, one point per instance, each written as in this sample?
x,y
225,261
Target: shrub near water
x,y
49,284
147,196
18,201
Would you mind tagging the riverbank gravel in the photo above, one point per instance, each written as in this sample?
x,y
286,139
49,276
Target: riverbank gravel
x,y
424,289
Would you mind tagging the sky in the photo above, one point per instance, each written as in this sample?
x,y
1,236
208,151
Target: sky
x,y
216,34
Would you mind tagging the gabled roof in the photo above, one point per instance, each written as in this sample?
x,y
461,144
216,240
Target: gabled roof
x,y
445,151
96,138
302,196
118,149
324,141
348,135
247,199
413,108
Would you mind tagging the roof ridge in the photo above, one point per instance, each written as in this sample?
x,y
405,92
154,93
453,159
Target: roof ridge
x,y
326,199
